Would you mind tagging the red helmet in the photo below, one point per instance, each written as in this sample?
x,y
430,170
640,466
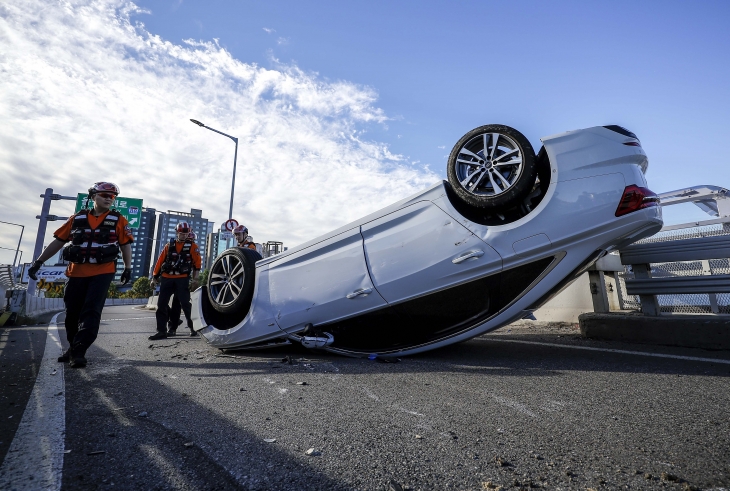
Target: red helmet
x,y
240,230
183,227
191,236
103,187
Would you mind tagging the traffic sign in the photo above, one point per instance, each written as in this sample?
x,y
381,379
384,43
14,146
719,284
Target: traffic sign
x,y
230,224
51,274
129,208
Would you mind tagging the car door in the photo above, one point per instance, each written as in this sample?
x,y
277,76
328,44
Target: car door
x,y
322,283
420,249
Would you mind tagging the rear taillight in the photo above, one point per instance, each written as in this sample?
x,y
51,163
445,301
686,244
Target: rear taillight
x,y
636,198
632,144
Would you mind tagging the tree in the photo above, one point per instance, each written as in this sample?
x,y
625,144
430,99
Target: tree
x,y
202,279
113,292
141,288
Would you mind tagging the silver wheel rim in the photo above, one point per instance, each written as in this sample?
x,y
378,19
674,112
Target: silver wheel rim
x,y
489,164
226,280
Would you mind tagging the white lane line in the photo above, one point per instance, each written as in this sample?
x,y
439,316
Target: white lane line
x,y
130,318
35,458
609,350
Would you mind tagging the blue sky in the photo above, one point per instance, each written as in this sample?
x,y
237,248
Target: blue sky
x,y
662,69
440,68
334,102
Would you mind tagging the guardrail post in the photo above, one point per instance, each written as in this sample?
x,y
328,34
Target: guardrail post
x,y
599,295
706,271
649,303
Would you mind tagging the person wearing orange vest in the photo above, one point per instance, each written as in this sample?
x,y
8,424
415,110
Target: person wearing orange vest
x,y
179,260
241,234
97,237
173,320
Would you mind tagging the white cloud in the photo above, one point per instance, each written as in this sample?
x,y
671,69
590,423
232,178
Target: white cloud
x,y
269,30
282,41
87,95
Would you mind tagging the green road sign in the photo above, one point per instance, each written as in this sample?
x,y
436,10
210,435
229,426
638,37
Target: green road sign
x,y
130,208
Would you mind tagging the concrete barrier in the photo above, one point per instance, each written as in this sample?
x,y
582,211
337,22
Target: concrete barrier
x,y
686,330
152,302
40,305
35,306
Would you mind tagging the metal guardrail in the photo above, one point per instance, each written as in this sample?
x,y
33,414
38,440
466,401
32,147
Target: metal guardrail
x,y
686,264
679,284
677,250
6,276
641,256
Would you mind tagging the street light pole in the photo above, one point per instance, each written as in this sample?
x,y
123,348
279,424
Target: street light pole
x,y
235,156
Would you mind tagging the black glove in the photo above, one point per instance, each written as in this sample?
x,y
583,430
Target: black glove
x,y
126,276
34,269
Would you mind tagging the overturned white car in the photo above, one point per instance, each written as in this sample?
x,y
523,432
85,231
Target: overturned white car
x,y
506,232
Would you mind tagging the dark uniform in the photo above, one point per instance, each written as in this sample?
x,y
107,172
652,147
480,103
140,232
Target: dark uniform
x,y
175,264
92,257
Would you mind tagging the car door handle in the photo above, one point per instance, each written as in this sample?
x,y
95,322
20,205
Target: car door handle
x,y
468,255
359,291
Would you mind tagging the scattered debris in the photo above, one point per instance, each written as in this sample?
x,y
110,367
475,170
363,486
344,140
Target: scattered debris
x,y
143,414
226,356
312,452
486,485
240,390
67,451
188,444
669,477
419,437
395,486
158,346
302,383
60,394
54,372
96,452
502,462
270,440
648,476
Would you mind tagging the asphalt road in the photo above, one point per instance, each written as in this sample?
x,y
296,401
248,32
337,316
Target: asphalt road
x,y
509,410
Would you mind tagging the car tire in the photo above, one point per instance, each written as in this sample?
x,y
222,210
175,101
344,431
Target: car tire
x,y
231,280
495,181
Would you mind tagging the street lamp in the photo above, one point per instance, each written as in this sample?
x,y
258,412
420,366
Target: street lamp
x,y
235,155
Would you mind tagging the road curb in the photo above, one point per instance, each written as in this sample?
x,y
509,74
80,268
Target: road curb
x,y
687,331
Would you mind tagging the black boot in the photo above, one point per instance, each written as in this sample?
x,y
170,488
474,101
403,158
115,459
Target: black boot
x,y
158,335
64,357
77,360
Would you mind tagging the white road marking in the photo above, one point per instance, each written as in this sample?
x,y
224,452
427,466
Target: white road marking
x,y
520,408
37,448
129,319
610,350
